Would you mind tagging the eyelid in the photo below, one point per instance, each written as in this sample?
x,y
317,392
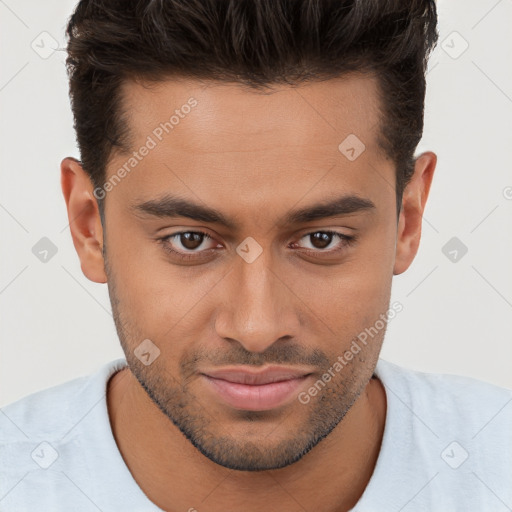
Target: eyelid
x,y
206,236
346,240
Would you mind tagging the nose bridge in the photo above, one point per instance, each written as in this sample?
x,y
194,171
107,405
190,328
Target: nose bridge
x,y
259,309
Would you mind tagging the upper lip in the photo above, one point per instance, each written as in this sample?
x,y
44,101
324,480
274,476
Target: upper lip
x,y
258,377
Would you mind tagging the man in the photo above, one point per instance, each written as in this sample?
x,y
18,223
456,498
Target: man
x,y
248,188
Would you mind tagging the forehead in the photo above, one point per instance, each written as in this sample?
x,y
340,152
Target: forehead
x,y
235,118
226,143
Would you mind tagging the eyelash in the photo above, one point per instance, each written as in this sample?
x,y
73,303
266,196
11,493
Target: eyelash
x,y
346,240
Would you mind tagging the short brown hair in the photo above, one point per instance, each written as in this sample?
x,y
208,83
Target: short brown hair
x,y
257,43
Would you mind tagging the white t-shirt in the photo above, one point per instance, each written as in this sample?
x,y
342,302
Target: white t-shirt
x,y
447,447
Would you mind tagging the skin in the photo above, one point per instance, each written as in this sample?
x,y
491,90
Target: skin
x,y
254,157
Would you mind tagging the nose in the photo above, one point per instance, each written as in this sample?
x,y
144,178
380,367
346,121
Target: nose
x,y
259,307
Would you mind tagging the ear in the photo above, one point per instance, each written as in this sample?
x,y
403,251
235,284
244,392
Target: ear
x,y
84,219
411,214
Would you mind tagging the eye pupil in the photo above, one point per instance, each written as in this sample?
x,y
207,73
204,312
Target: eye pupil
x,y
191,240
321,240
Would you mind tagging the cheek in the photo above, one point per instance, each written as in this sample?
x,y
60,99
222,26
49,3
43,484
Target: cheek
x,y
160,298
142,285
347,301
351,296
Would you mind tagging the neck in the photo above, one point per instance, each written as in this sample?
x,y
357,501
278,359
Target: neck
x,y
176,476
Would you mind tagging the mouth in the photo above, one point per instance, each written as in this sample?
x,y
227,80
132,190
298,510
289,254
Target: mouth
x,y
255,391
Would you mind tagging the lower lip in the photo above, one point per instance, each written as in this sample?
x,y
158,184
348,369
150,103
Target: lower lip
x,y
255,398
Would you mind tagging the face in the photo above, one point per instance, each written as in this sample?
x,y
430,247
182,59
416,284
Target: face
x,y
248,235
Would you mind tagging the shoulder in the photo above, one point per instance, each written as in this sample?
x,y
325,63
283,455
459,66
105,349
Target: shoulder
x,y
465,410
57,450
447,441
440,389
51,412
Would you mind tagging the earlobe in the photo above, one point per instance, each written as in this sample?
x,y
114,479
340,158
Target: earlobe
x,y
413,205
84,219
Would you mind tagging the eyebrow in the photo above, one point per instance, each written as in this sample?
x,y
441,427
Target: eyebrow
x,y
169,206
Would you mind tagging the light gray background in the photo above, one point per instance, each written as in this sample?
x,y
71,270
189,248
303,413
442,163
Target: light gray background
x,y
57,325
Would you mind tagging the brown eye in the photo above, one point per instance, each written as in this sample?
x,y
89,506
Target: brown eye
x,y
320,239
187,244
191,240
